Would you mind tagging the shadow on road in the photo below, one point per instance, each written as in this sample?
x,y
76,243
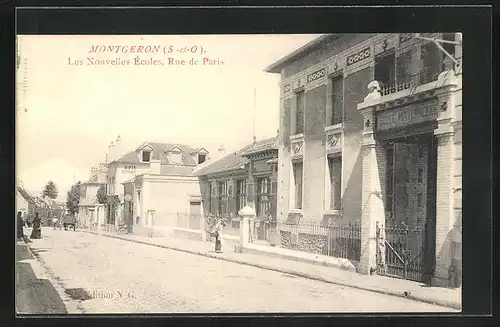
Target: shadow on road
x,y
33,295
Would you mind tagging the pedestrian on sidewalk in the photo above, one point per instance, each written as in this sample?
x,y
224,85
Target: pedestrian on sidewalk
x,y
219,226
54,222
20,225
37,227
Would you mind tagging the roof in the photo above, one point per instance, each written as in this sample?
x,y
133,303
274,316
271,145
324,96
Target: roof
x,y
26,195
260,146
236,159
92,180
308,47
159,150
41,202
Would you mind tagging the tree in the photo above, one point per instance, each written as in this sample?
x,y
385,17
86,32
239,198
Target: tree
x,y
73,198
50,190
102,198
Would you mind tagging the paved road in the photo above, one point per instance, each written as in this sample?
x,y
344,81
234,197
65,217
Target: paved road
x,y
123,277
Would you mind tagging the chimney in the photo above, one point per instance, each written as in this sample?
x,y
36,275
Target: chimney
x,y
93,172
118,147
111,152
221,151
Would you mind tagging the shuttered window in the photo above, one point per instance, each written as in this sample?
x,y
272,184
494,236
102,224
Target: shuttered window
x,y
335,169
223,198
337,99
299,122
263,205
241,189
297,176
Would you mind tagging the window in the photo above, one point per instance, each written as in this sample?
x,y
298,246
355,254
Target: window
x,y
176,158
420,175
299,115
146,156
223,198
297,179
390,180
335,169
385,69
263,191
431,59
202,158
241,194
337,99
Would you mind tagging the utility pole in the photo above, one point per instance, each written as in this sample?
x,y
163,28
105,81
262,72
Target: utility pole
x,y
254,114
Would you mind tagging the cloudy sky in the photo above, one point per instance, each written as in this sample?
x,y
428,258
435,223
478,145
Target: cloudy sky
x,y
73,112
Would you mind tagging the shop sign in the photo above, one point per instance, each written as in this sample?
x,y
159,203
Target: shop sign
x,y
408,115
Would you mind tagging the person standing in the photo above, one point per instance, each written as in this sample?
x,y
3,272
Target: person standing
x,y
219,226
20,225
37,227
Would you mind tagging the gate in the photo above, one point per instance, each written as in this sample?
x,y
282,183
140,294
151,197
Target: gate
x,y
401,252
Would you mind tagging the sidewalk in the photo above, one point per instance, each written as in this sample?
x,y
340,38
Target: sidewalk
x,y
391,286
35,294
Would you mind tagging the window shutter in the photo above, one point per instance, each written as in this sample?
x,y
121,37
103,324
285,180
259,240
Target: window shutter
x,y
338,99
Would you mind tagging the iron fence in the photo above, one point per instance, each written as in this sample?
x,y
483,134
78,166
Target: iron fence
x,y
313,237
400,251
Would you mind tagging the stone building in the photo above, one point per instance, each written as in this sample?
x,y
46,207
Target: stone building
x,y
370,132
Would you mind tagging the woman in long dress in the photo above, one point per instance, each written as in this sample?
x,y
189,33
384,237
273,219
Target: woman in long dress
x,y
219,226
37,227
20,224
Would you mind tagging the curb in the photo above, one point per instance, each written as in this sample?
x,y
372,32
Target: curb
x,y
72,306
405,295
299,259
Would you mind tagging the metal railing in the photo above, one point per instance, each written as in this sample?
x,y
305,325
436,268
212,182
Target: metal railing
x,y
314,237
409,83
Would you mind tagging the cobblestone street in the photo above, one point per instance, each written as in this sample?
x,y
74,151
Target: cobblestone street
x,y
115,276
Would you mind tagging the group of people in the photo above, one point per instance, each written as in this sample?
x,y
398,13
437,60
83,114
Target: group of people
x,y
36,224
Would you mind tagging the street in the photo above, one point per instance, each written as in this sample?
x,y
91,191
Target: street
x,y
116,276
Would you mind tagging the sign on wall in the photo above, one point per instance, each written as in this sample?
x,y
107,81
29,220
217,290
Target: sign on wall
x,y
411,114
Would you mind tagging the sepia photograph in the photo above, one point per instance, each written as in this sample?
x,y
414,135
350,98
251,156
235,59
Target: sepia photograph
x,y
239,173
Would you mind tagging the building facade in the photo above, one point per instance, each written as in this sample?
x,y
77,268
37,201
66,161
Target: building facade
x,y
370,132
46,207
245,177
87,217
152,183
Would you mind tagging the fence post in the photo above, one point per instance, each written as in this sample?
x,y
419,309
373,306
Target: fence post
x,y
246,214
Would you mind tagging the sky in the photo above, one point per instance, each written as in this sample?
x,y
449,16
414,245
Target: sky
x,y
68,114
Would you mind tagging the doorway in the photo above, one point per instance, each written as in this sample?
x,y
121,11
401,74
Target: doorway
x,y
410,226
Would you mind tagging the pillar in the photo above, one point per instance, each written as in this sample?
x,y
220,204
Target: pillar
x,y
231,184
246,214
372,210
251,187
444,180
